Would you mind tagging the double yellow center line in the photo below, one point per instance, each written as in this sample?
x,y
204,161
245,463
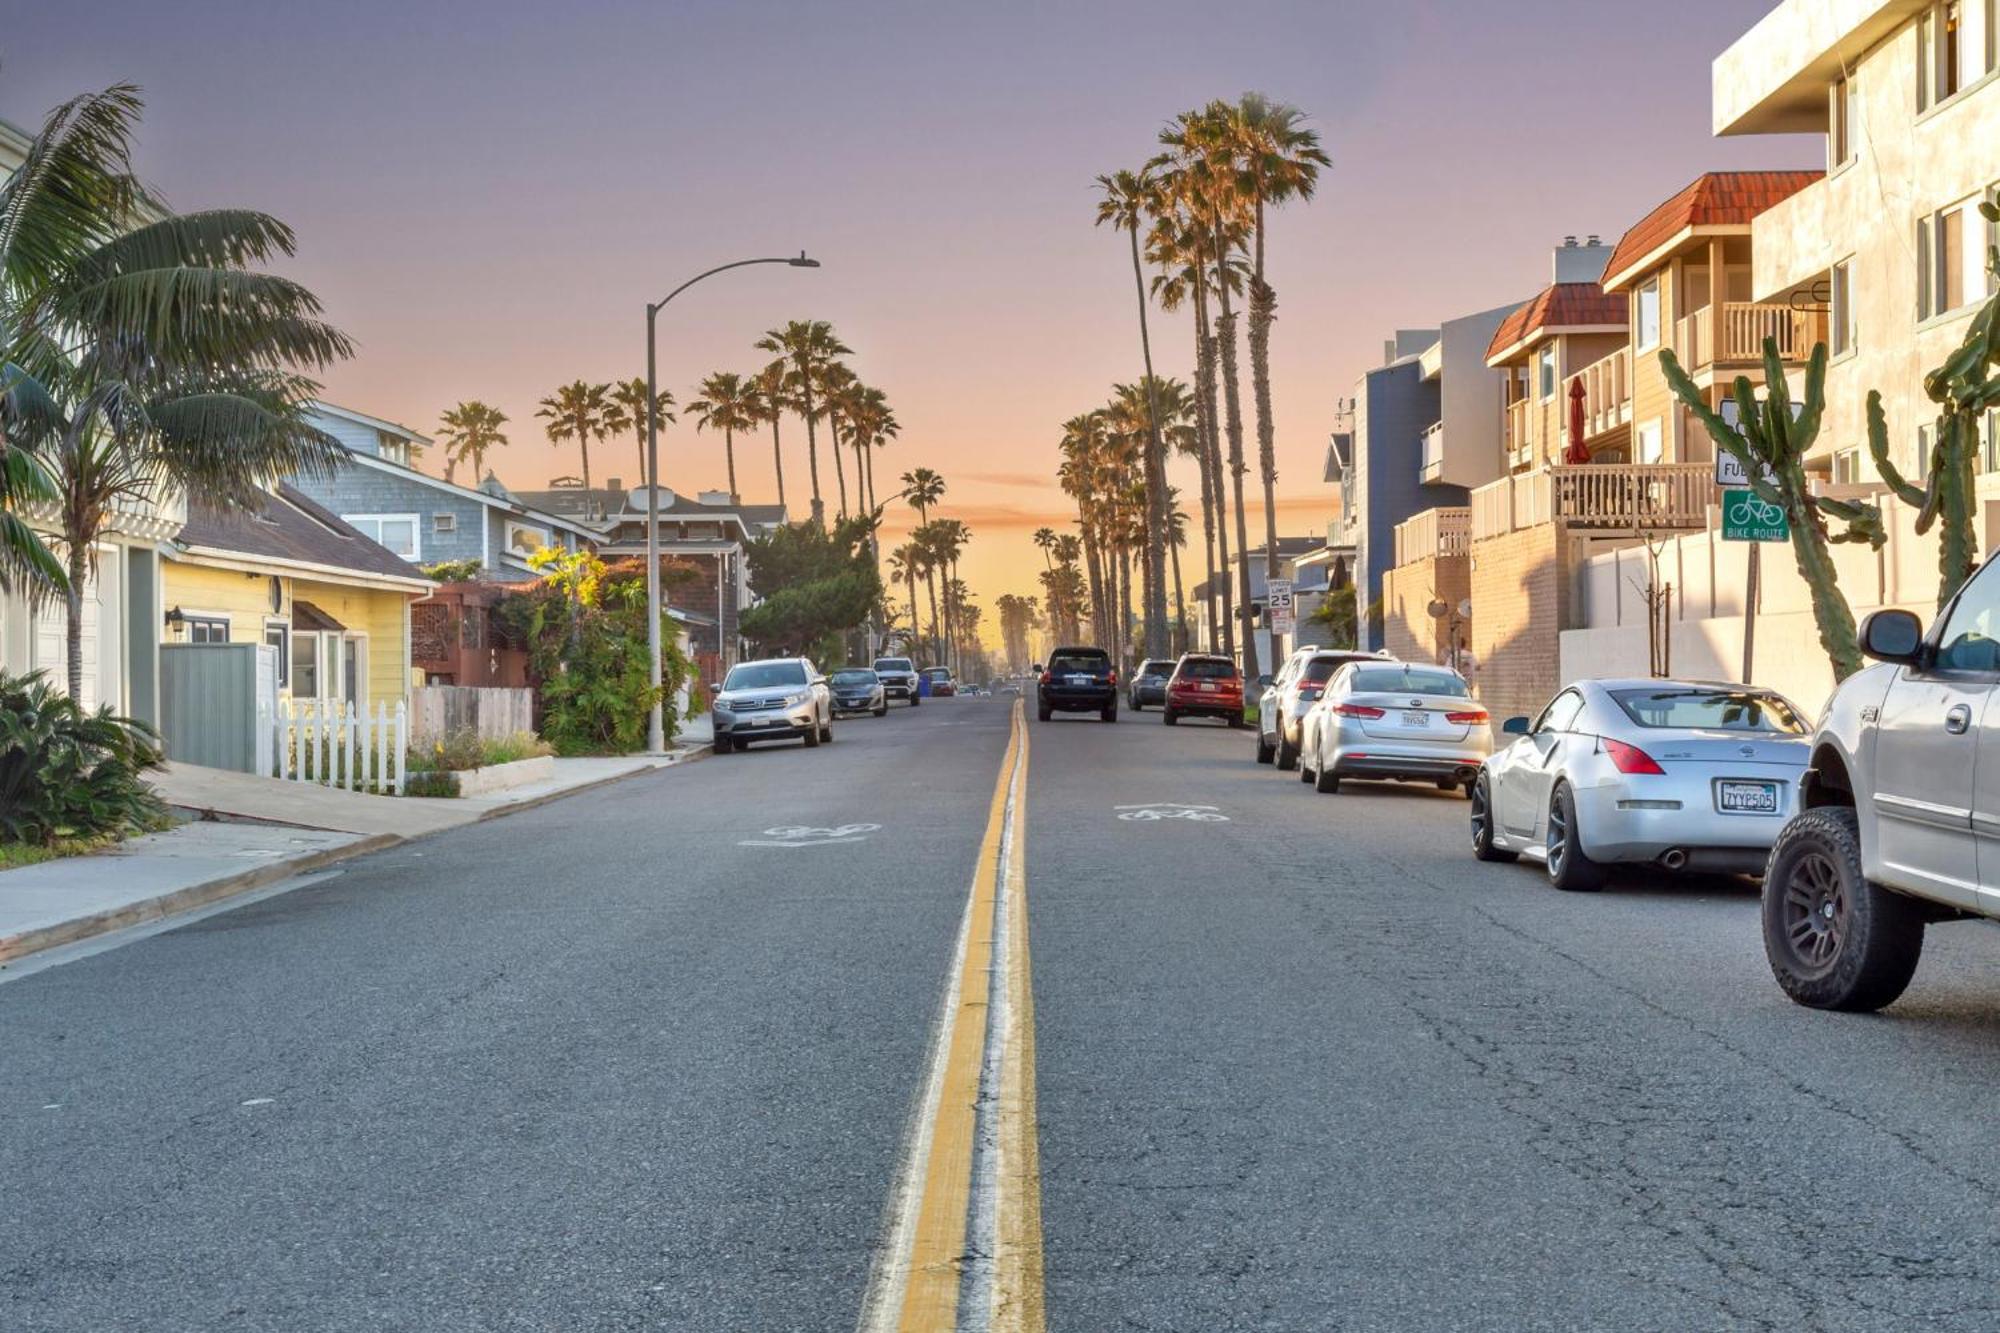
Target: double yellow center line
x,y
964,1247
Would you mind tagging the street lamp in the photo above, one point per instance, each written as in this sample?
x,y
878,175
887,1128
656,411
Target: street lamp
x,y
656,725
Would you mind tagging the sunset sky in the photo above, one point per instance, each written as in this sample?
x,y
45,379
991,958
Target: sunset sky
x,y
487,194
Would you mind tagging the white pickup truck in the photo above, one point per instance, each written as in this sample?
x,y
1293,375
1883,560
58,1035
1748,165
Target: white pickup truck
x,y
1899,822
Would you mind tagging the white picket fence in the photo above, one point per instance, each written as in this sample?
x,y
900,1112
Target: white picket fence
x,y
330,742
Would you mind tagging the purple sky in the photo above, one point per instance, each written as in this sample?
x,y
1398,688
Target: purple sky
x,y
486,194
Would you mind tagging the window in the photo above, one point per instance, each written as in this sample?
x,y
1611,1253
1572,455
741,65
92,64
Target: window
x,y
444,522
278,634
398,532
1545,371
1841,316
1945,282
1562,712
207,629
353,670
1847,467
764,676
1955,47
1840,124
1989,445
1971,637
392,448
1710,710
1408,679
305,666
1648,443
1647,334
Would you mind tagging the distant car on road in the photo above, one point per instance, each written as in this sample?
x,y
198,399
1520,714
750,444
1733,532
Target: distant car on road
x,y
1204,686
857,690
1149,683
1677,773
1898,828
1283,703
1400,721
899,678
1078,680
773,699
939,682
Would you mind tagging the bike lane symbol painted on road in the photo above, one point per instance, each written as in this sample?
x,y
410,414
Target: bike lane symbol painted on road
x,y
804,836
1153,811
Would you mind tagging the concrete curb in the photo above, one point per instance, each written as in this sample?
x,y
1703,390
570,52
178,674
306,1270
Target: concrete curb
x,y
15,947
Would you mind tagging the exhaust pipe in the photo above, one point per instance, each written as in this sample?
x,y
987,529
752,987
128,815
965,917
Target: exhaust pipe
x,y
1674,859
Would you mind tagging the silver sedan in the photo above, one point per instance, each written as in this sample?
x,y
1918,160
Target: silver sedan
x,y
1403,721
1668,772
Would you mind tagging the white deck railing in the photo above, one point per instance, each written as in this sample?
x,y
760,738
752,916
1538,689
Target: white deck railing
x,y
1443,531
1627,496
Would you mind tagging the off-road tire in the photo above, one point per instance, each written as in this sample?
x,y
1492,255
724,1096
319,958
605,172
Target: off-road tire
x,y
1568,867
1859,956
1481,793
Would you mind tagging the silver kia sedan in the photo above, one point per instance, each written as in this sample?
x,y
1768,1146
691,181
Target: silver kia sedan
x,y
1677,773
1402,721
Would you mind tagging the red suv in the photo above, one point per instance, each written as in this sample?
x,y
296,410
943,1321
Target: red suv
x,y
1205,686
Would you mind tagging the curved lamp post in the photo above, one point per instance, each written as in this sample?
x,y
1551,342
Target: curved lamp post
x,y
656,730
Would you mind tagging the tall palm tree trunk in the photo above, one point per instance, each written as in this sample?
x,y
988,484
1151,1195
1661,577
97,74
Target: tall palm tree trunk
x,y
1094,573
916,623
1178,643
1226,622
1125,602
1263,309
930,584
729,452
77,566
839,469
812,459
1233,401
778,459
1156,479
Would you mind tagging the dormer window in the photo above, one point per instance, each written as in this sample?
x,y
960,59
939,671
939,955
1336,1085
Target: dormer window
x,y
392,448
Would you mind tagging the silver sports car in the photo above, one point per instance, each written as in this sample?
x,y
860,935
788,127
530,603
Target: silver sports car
x,y
1678,773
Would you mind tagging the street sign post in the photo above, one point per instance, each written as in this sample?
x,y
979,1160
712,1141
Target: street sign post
x,y
1278,606
1747,517
1729,473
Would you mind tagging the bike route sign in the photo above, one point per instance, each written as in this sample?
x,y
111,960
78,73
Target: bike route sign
x,y
1748,518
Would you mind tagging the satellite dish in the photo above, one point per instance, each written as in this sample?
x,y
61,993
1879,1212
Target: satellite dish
x,y
1465,608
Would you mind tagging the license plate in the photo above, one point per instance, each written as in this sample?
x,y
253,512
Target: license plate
x,y
1746,798
1081,680
1208,689
1417,719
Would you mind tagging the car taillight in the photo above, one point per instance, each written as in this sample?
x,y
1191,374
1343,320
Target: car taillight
x,y
1630,758
1473,718
1355,710
1114,677
1047,677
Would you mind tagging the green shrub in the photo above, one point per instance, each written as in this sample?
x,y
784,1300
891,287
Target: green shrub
x,y
465,748
67,774
430,782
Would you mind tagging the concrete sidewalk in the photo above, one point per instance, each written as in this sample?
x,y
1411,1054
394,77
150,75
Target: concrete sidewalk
x,y
244,833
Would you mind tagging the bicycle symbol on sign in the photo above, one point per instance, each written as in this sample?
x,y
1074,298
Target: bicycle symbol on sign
x,y
1158,810
1749,511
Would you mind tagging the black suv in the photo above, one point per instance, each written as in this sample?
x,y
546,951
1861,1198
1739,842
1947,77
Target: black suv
x,y
1079,680
1149,683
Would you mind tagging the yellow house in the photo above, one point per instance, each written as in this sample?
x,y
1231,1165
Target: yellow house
x,y
334,603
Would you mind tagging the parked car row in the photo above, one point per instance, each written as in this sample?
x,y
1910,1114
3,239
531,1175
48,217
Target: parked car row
x,y
788,698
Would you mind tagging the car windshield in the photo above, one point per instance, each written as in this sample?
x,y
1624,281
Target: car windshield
x,y
854,676
1208,668
892,664
1711,710
1078,662
764,675
1409,680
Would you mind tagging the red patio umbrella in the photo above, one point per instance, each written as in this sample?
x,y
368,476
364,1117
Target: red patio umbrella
x,y
1577,452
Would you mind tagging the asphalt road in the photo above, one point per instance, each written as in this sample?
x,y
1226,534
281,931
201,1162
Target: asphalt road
x,y
1306,1066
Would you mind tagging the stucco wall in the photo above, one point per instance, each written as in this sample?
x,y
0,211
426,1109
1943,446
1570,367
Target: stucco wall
x,y
1410,631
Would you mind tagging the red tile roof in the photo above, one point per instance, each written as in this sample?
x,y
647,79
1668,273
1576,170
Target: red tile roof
x,y
1719,198
1566,305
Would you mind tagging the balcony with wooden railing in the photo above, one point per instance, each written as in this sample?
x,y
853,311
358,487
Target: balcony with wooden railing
x,y
1516,439
1434,532
1614,497
1733,333
1607,394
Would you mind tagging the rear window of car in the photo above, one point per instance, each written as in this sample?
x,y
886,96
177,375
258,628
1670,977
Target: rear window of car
x,y
1321,669
856,676
764,675
1091,662
1711,710
893,664
938,673
1409,680
1156,668
1208,668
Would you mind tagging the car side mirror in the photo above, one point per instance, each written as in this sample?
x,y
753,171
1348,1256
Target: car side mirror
x,y
1515,726
1892,636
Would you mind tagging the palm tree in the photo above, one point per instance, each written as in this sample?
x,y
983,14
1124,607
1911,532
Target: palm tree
x,y
836,381
146,352
628,412
771,402
951,539
728,403
468,431
1080,474
922,488
1130,196
908,562
1177,540
926,538
806,346
1200,167
1278,160
578,411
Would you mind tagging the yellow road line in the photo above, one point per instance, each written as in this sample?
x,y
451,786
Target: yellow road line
x,y
917,1287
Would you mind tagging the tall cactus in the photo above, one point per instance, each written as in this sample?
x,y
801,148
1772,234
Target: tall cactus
x,y
1772,448
1964,389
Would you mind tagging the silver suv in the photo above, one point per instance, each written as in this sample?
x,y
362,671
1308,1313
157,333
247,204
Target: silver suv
x,y
777,698
1900,812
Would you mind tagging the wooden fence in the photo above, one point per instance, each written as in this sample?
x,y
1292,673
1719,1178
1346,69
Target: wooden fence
x,y
437,711
331,742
